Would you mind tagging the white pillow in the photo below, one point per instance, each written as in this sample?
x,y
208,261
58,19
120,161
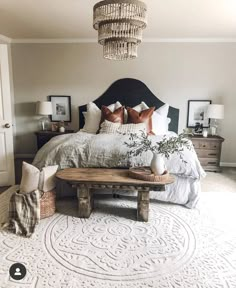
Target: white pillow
x,y
93,116
32,179
160,121
47,178
162,111
108,127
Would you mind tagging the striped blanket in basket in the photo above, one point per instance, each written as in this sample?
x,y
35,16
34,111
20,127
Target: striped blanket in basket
x,y
24,213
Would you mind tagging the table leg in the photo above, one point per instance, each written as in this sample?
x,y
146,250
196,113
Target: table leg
x,y
143,206
85,201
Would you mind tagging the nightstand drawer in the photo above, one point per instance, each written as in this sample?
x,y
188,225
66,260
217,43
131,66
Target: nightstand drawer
x,y
206,162
208,145
205,153
215,145
196,144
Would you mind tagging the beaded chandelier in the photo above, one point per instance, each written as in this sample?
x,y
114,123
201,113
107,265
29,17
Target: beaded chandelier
x,y
120,24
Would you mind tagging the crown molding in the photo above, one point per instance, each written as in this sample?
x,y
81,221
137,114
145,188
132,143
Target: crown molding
x,y
145,40
189,40
5,39
54,40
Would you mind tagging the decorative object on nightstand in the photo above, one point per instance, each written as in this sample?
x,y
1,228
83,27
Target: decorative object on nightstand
x,y
215,112
44,108
62,127
54,127
44,136
208,150
197,113
205,133
198,128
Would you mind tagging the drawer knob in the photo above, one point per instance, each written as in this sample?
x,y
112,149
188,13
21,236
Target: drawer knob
x,y
212,154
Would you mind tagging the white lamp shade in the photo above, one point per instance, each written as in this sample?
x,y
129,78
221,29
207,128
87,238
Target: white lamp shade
x,y
215,111
44,108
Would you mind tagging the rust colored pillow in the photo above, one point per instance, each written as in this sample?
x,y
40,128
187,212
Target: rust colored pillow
x,y
144,116
116,117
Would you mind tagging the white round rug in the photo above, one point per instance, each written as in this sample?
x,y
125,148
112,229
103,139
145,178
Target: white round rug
x,y
178,247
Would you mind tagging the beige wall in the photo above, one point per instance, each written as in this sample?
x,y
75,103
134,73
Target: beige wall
x,y
175,72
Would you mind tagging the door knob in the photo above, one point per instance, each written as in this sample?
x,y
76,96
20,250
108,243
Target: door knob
x,y
7,125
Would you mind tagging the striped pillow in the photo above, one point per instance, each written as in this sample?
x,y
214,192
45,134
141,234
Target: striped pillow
x,y
108,127
132,128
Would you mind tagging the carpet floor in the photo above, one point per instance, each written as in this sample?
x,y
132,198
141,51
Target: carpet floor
x,y
220,182
178,247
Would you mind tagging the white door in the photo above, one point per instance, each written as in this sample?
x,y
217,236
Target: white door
x,y
7,172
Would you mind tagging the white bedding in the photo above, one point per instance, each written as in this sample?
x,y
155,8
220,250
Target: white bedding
x,y
104,150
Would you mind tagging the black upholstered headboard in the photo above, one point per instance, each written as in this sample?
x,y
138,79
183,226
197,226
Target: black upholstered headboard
x,y
130,92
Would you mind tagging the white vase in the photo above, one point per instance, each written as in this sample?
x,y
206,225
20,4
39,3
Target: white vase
x,y
62,129
157,164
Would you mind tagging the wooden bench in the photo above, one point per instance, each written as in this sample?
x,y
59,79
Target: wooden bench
x,y
87,178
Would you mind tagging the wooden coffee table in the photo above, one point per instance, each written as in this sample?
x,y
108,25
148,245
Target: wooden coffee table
x,y
87,178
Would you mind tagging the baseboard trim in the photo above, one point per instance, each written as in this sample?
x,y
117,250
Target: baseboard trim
x,y
227,164
24,156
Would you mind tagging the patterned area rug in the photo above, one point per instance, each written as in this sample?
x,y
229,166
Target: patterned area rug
x,y
178,247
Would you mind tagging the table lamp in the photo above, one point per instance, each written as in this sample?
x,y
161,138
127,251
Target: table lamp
x,y
44,108
215,112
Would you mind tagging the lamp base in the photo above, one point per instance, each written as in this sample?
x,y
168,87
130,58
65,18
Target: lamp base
x,y
213,131
213,128
44,124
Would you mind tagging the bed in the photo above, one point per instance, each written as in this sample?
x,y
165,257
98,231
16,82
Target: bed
x,y
83,149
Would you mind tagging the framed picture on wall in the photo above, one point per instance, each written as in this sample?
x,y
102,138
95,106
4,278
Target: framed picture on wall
x,y
61,108
197,113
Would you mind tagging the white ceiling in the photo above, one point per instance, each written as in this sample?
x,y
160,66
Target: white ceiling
x,y
68,19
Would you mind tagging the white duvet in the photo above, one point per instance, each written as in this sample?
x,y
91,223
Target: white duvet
x,y
108,150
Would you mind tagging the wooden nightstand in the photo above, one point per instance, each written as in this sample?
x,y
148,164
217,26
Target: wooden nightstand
x,y
208,150
44,136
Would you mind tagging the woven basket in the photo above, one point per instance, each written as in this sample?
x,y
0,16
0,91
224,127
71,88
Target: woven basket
x,y
47,204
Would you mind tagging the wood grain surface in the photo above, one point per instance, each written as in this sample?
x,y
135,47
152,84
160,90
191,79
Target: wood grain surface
x,y
106,177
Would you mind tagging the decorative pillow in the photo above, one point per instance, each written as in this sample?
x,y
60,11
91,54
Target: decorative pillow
x,y
47,178
140,107
116,117
32,179
144,116
132,128
108,127
160,121
162,111
93,116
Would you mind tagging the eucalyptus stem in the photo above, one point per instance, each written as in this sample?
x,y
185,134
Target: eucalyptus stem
x,y
140,143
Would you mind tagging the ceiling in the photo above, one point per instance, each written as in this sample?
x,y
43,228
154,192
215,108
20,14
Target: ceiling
x,y
72,19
